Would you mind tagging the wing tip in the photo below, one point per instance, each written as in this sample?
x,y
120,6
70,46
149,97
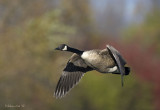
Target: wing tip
x,y
122,82
108,46
59,94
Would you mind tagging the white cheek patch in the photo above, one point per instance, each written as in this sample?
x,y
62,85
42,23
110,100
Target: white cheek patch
x,y
65,48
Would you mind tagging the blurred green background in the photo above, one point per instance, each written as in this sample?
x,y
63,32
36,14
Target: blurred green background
x,y
30,68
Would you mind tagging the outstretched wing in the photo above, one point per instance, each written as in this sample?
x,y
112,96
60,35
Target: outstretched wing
x,y
118,59
71,75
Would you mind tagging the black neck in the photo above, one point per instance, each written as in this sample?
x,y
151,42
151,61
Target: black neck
x,y
79,52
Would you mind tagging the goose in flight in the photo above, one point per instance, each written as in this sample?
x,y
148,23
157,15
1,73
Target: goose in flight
x,y
108,60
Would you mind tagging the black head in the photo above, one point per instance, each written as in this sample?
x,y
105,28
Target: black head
x,y
62,47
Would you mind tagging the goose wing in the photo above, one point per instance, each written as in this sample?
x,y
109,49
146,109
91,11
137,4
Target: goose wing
x,y
71,75
118,59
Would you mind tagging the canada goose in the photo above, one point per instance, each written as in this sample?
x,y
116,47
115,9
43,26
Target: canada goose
x,y
107,60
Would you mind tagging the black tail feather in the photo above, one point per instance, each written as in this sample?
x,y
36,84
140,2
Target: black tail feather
x,y
127,71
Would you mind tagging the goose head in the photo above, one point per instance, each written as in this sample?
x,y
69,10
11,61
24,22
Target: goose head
x,y
62,47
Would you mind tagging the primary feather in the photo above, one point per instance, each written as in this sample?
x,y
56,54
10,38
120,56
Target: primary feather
x,y
71,75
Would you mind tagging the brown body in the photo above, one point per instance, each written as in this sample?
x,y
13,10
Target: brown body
x,y
100,60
